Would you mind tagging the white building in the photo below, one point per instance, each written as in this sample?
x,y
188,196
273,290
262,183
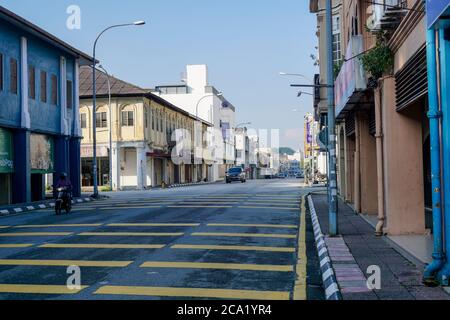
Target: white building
x,y
197,97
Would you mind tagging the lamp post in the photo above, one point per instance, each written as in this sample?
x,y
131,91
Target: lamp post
x,y
94,102
332,183
110,125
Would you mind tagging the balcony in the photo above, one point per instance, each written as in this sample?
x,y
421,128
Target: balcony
x,y
387,14
351,81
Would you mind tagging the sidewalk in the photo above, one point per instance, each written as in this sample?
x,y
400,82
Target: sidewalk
x,y
358,248
38,205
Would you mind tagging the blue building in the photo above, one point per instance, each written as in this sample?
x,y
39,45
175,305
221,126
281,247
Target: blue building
x,y
39,125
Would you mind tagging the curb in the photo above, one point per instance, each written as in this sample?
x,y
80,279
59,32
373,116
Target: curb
x,y
47,205
332,291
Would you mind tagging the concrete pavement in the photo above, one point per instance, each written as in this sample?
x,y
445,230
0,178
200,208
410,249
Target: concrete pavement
x,y
239,241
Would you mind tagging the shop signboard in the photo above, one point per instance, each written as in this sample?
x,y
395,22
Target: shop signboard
x,y
41,153
6,151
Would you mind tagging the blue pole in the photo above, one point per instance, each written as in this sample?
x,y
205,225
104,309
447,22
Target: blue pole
x,y
332,183
444,55
434,115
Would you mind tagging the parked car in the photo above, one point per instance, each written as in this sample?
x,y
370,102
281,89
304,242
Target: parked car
x,y
236,174
300,176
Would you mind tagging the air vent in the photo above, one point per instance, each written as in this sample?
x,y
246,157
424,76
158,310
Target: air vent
x,y
350,125
372,123
412,81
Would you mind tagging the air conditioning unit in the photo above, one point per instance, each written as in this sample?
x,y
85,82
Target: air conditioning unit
x,y
387,14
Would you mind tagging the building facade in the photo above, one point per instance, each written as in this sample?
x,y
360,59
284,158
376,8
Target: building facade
x,y
196,96
39,128
147,150
382,108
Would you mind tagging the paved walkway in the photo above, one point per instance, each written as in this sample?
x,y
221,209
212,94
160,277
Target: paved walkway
x,y
359,249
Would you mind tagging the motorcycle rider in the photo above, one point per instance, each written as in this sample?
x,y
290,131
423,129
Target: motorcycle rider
x,y
64,182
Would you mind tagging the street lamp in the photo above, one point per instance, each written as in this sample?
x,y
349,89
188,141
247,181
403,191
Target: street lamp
x,y
294,75
220,94
94,98
300,93
110,125
243,124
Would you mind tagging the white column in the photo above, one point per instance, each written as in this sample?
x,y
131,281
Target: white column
x,y
76,113
63,96
25,114
141,168
116,167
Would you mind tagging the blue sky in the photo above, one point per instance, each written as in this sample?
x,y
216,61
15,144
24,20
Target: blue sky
x,y
244,43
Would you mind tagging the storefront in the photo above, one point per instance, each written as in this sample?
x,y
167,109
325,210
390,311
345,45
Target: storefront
x,y
6,165
87,160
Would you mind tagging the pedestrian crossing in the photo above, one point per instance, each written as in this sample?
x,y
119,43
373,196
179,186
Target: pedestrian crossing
x,y
178,240
242,201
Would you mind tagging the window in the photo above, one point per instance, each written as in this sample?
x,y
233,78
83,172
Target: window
x,y
337,51
69,89
153,119
1,72
31,82
43,86
146,117
157,121
101,120
83,121
13,76
127,118
54,89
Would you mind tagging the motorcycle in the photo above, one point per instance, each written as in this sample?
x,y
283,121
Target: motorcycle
x,y
63,201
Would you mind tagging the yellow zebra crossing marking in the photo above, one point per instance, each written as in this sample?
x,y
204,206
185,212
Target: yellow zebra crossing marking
x,y
101,246
267,208
65,263
58,225
154,225
186,207
12,246
38,289
277,226
243,235
193,292
131,234
35,234
233,248
302,259
218,266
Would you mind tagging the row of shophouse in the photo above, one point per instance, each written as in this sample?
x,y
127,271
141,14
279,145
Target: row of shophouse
x,y
46,121
143,124
385,96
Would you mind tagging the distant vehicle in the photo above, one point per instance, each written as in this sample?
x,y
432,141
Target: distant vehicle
x,y
300,176
281,176
236,174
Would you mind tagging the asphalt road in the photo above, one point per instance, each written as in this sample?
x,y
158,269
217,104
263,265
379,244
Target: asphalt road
x,y
238,241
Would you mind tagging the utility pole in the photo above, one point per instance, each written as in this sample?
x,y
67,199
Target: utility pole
x,y
332,184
